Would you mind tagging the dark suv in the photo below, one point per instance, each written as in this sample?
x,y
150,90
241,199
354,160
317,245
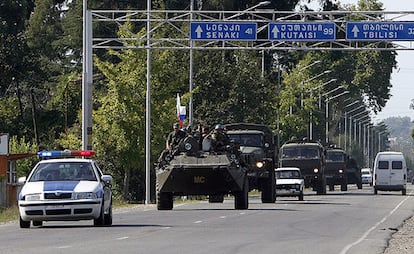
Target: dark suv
x,y
258,152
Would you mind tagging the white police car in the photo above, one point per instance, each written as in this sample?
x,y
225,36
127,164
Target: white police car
x,y
63,189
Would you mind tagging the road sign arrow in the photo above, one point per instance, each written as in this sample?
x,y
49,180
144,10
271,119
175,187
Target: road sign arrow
x,y
199,31
355,30
275,32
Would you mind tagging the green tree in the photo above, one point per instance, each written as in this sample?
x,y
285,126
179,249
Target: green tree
x,y
21,145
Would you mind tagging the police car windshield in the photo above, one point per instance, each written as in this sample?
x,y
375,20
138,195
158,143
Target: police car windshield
x,y
63,171
253,140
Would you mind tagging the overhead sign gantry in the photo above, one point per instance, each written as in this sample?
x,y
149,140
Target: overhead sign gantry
x,y
268,30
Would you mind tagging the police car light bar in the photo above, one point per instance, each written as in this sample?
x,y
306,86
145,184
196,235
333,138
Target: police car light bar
x,y
66,153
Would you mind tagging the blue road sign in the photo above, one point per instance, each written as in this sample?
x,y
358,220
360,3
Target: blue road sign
x,y
380,31
301,31
223,31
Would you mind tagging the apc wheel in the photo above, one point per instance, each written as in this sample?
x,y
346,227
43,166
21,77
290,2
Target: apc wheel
x,y
24,224
108,216
37,223
216,198
164,201
269,189
241,198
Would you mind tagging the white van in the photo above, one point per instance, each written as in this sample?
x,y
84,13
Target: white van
x,y
390,172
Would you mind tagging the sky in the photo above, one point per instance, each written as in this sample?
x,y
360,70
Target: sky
x,y
402,91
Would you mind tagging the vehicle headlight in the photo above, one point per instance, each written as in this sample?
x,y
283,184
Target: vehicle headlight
x,y
188,146
341,171
32,197
259,164
315,170
85,195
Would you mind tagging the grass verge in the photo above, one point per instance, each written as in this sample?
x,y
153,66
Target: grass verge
x,y
9,214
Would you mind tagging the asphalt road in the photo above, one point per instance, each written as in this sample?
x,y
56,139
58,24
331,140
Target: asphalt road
x,y
354,222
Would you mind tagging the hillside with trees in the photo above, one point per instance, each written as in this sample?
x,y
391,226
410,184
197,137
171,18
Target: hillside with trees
x,y
400,129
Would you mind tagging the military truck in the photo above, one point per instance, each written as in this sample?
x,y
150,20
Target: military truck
x,y
336,160
309,156
259,153
192,169
353,173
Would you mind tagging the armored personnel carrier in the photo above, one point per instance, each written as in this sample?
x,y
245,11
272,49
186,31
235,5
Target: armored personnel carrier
x,y
259,153
195,169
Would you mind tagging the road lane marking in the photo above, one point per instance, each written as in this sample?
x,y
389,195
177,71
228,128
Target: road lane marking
x,y
199,221
223,217
65,247
364,236
122,238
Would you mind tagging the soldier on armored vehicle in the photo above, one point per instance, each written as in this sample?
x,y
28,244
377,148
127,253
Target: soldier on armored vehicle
x,y
174,138
191,171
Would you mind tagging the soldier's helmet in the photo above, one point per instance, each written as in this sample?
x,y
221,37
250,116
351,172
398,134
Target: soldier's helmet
x,y
219,127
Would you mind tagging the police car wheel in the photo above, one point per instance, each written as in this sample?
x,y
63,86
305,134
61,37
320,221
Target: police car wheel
x,y
24,224
108,217
100,220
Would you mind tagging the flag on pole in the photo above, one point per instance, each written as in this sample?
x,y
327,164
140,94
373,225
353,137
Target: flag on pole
x,y
181,111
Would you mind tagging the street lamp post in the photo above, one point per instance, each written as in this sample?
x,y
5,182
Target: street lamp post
x,y
346,120
327,112
351,120
311,113
309,80
379,139
360,120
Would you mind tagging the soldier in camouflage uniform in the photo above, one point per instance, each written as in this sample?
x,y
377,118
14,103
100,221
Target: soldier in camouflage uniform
x,y
174,138
219,138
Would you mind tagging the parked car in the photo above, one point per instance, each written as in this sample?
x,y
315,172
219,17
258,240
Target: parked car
x,y
289,182
366,176
65,189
